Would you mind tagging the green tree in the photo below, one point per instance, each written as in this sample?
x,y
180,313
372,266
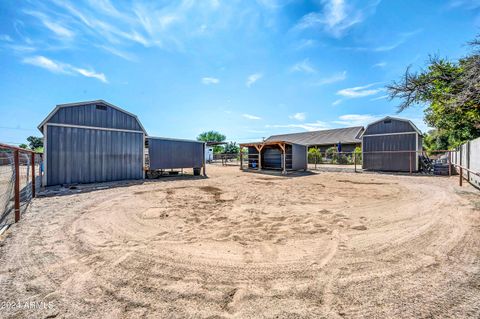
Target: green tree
x,y
231,148
23,145
35,142
451,93
213,136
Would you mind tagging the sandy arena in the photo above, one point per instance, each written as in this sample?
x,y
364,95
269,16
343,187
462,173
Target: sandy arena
x,y
246,245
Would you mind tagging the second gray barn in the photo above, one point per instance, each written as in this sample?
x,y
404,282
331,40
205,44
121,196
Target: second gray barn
x,y
169,153
391,144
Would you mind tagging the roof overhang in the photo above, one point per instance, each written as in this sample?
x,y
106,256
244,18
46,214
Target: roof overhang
x,y
253,144
59,106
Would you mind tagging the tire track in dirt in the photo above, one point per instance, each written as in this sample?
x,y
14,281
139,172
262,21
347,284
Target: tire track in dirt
x,y
285,247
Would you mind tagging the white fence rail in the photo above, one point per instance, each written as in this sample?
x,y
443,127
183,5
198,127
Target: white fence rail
x,y
468,156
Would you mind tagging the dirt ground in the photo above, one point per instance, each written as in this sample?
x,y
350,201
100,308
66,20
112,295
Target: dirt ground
x,y
247,245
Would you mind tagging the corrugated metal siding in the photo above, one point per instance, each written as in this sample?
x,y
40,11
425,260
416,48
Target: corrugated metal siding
x,y
395,126
78,155
252,159
389,161
166,154
272,157
89,115
299,156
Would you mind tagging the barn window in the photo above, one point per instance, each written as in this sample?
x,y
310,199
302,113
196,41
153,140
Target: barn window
x,y
101,107
387,121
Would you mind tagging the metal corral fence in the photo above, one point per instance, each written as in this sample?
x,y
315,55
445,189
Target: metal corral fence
x,y
466,159
226,159
20,176
438,163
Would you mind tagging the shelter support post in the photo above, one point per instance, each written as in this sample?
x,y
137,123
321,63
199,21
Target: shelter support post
x,y
284,162
241,158
16,162
204,162
259,149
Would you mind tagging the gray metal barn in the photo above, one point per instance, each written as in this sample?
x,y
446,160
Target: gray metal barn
x,y
391,144
90,142
275,155
169,153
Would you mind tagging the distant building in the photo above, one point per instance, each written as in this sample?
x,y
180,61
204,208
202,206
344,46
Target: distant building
x,y
349,138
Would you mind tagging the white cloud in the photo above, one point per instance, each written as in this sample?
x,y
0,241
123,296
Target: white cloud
x,y
5,37
124,55
53,26
251,117
305,43
303,66
315,126
63,68
91,74
336,17
105,6
253,78
359,91
332,79
298,116
209,80
47,64
468,4
380,65
356,119
383,97
402,38
337,102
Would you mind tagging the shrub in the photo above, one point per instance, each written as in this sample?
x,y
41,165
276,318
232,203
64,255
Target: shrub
x,y
314,156
358,155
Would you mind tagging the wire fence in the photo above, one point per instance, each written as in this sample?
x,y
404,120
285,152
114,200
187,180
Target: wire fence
x,y
20,176
7,181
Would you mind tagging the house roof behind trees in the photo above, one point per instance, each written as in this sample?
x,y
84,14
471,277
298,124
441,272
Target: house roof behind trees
x,y
348,135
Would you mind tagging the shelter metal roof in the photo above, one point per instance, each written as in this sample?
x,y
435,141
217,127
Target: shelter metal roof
x,y
348,135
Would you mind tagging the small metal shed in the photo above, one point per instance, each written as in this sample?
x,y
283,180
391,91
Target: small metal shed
x,y
169,153
275,155
89,142
391,144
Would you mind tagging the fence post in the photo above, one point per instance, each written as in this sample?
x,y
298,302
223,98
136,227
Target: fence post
x,y
449,163
467,157
33,174
16,162
355,160
461,176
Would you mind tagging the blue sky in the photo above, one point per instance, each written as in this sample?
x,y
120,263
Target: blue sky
x,y
248,69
